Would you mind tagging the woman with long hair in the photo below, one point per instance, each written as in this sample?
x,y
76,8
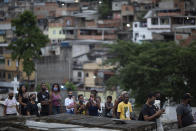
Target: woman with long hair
x,y
32,108
23,99
55,97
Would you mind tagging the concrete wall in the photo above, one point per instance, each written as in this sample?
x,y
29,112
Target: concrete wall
x,y
167,4
116,6
76,78
55,68
78,50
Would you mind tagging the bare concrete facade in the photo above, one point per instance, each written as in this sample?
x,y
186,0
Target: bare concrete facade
x,y
55,68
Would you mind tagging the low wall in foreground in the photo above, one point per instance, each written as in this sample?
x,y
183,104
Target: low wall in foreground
x,y
74,122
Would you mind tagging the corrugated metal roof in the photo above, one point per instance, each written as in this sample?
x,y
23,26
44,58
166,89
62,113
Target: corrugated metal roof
x,y
186,27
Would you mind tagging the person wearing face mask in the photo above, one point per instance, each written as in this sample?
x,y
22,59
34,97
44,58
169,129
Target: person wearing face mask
x,y
80,107
10,106
70,103
184,111
149,111
32,108
55,97
125,108
93,106
117,101
158,105
44,99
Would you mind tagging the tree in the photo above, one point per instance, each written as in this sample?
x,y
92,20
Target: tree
x,y
105,9
38,88
28,41
157,66
70,86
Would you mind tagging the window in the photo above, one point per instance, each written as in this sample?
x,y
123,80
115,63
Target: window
x,y
87,74
127,8
136,34
154,21
144,36
9,76
2,61
164,21
9,62
79,74
135,25
143,24
68,23
54,32
3,74
18,77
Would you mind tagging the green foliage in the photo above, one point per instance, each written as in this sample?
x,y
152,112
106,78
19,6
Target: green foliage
x,y
38,88
157,66
70,86
105,9
28,41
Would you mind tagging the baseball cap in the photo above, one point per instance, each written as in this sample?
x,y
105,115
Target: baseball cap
x,y
187,96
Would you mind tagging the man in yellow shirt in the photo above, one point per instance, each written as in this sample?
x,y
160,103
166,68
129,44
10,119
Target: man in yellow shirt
x,y
125,108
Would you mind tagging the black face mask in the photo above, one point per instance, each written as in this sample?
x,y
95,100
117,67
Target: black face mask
x,y
158,98
126,101
81,101
151,103
33,98
189,102
43,89
70,96
10,97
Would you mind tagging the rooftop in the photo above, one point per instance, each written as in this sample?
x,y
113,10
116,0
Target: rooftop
x,y
89,42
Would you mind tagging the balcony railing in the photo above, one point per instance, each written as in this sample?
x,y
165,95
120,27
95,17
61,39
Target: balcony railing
x,y
98,37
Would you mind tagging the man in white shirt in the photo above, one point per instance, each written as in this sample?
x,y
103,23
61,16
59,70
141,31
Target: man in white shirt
x,y
158,106
10,105
70,103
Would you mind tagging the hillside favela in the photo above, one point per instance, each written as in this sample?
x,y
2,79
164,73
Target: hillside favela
x,y
98,65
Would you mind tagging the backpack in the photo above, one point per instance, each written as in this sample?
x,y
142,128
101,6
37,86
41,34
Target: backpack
x,y
141,117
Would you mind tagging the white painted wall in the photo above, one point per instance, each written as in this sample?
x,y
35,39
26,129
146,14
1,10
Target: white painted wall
x,y
143,33
76,78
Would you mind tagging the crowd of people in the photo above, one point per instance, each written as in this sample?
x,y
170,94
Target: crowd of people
x,y
51,104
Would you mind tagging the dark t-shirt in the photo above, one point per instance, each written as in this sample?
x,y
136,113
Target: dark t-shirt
x,y
43,96
108,112
32,108
147,110
92,110
185,112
